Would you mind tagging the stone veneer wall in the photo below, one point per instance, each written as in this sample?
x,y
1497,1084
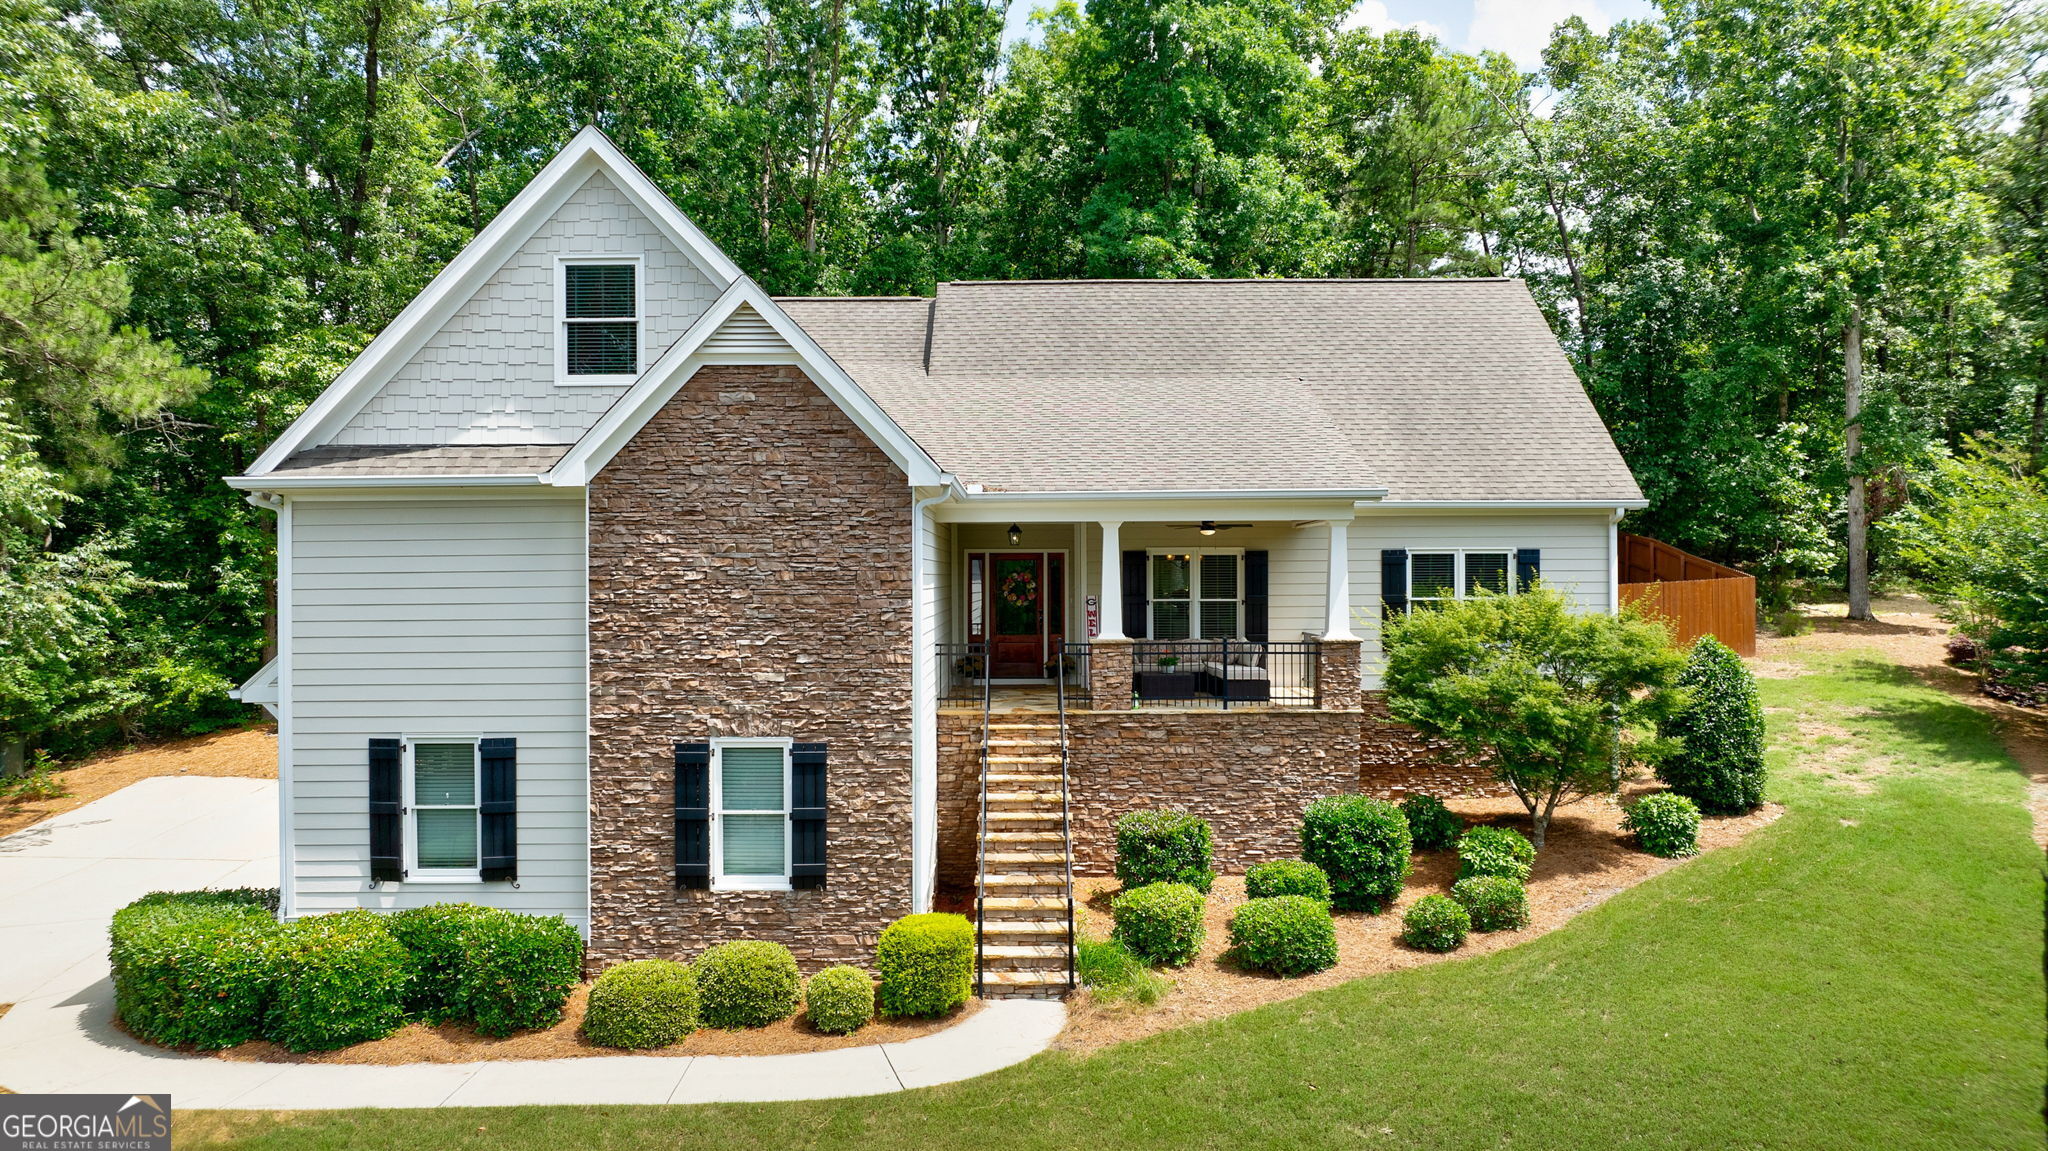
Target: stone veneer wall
x,y
749,575
1249,773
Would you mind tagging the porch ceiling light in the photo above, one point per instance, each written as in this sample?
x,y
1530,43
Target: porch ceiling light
x,y
1016,535
1208,527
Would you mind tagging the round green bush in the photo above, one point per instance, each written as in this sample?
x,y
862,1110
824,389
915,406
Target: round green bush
x,y
1495,902
1665,824
1435,923
195,968
435,936
926,963
1284,934
642,1004
1286,877
1720,761
839,1000
748,983
1160,923
1164,847
519,971
1362,844
1495,851
1431,825
342,980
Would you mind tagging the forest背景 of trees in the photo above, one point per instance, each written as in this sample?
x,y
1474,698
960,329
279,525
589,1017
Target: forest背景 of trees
x,y
1797,249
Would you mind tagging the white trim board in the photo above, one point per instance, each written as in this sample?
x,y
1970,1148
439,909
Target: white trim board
x,y
588,153
667,375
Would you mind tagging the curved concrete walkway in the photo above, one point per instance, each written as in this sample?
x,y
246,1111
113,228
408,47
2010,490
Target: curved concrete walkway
x,y
61,880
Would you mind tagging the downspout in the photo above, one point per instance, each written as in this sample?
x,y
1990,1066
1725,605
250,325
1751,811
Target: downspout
x,y
924,719
1614,560
287,901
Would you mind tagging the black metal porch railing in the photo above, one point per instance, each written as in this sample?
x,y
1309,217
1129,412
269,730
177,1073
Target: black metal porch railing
x,y
1068,669
962,674
1224,673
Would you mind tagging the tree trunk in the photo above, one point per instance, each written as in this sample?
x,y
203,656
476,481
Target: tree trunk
x,y
1852,444
2037,435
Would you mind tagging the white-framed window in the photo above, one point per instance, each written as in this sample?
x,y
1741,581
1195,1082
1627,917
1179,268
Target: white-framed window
x,y
1436,576
443,828
1197,594
598,336
750,814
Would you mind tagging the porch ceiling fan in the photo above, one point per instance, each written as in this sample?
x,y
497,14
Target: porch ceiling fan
x,y
1209,527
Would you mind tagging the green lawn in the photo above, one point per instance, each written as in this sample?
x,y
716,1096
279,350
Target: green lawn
x,y
1866,972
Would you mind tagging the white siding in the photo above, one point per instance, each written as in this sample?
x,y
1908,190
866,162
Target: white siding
x,y
488,376
438,617
1574,544
745,332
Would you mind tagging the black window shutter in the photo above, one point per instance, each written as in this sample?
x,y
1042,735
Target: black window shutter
x,y
498,804
387,831
807,815
1136,621
1256,566
693,815
1393,581
1528,567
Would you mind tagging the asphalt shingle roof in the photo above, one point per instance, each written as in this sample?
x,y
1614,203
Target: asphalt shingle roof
x,y
424,460
1433,389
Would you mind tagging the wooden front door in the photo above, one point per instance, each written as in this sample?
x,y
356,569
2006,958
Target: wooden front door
x,y
1016,615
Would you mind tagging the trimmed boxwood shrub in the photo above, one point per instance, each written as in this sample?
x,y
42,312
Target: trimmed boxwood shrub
x,y
1664,824
1720,763
342,979
926,963
435,936
839,1000
1164,847
1160,923
1495,902
747,983
1495,851
1362,844
1284,934
1435,923
195,967
497,970
1286,877
1431,825
642,1004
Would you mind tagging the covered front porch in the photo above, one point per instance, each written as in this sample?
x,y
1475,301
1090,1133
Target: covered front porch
x,y
1222,608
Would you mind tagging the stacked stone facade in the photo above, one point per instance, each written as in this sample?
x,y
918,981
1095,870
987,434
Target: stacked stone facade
x,y
750,561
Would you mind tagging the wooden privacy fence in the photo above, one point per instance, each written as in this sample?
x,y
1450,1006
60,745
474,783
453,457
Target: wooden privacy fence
x,y
1696,597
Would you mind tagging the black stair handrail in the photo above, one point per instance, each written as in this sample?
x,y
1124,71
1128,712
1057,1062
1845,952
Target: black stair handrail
x,y
981,841
1066,812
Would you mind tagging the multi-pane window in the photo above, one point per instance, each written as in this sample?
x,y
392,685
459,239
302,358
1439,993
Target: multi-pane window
x,y
1197,595
1437,576
444,807
600,319
752,814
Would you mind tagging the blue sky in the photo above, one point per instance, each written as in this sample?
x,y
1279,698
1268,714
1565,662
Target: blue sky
x,y
1518,27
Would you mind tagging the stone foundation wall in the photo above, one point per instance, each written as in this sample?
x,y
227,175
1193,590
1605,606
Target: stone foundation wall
x,y
1249,773
749,575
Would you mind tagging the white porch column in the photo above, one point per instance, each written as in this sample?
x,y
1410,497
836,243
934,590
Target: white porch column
x,y
1112,581
1337,601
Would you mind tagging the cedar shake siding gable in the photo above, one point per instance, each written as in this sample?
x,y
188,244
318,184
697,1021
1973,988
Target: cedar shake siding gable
x,y
750,575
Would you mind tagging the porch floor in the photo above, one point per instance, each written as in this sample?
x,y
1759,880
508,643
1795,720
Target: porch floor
x,y
1034,697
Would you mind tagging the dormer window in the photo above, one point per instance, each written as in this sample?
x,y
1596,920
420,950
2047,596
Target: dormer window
x,y
600,335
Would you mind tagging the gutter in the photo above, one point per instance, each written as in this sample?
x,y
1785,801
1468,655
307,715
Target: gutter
x,y
1512,505
974,492
273,482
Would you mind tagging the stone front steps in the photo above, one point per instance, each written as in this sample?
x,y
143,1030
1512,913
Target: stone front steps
x,y
1024,893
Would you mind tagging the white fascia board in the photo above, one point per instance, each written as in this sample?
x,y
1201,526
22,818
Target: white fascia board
x,y
260,688
296,484
1141,507
588,153
667,375
1506,505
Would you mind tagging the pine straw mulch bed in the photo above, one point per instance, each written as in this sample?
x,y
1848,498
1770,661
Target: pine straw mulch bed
x,y
243,753
1586,861
454,1043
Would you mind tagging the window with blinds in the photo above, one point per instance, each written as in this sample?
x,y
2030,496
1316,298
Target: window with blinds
x,y
1434,577
753,814
444,806
600,318
1197,595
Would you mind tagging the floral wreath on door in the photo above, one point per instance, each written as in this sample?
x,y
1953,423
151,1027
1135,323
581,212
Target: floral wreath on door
x,y
1020,588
